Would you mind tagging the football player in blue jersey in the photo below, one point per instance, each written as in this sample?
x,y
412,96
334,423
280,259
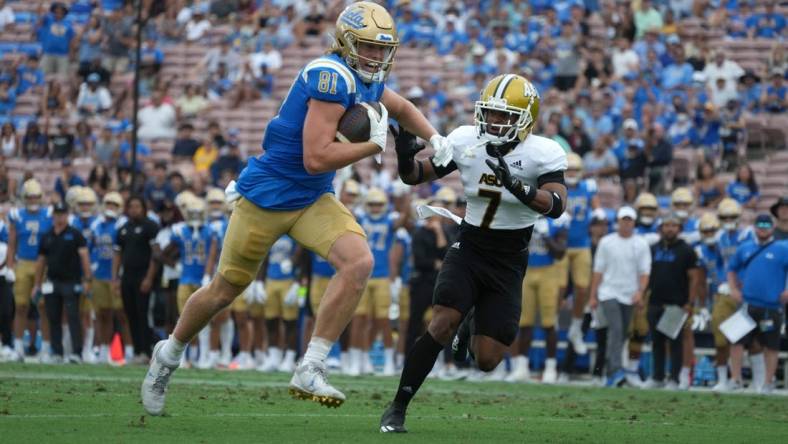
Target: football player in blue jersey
x,y
107,303
26,226
729,239
281,305
288,190
400,264
577,262
380,224
647,208
541,288
681,203
85,205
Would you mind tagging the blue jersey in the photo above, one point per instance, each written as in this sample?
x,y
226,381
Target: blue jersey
x,y
404,239
763,280
321,267
538,254
690,231
104,233
280,259
579,208
193,246
83,225
380,236
30,227
710,258
277,180
219,227
3,232
730,240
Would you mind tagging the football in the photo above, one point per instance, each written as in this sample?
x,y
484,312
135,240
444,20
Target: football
x,y
354,125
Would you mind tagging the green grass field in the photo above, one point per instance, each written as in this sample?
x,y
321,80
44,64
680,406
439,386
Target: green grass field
x,y
83,404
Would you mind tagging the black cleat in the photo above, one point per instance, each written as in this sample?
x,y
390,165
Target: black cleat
x,y
393,420
462,340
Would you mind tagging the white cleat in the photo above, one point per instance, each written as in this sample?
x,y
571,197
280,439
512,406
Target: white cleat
x,y
549,376
389,369
652,384
721,387
154,386
575,336
286,366
309,382
88,357
519,374
671,385
633,380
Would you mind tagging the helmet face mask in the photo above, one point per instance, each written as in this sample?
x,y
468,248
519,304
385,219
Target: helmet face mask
x,y
32,195
499,123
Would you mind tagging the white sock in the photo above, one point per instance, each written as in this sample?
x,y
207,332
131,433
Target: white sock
x,y
684,375
317,351
226,337
400,359
632,365
577,324
722,374
19,346
758,365
128,351
46,347
204,341
172,351
103,352
388,356
550,363
344,360
87,344
213,356
259,356
354,360
290,356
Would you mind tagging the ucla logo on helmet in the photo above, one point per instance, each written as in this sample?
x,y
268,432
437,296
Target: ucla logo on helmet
x,y
354,19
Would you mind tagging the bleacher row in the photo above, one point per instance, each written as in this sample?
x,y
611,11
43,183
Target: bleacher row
x,y
413,67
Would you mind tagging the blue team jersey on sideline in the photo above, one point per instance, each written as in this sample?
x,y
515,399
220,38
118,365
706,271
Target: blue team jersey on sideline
x,y
321,267
277,180
538,255
219,227
579,207
380,237
83,225
280,259
710,258
3,232
730,240
104,234
30,227
404,239
193,247
764,277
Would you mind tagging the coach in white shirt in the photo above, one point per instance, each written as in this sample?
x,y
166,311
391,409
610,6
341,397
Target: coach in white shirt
x,y
621,268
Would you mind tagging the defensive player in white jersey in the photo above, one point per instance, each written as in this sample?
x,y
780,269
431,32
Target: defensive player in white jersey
x,y
510,178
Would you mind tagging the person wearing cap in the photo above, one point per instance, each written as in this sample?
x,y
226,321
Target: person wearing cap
x,y
674,280
621,272
93,98
780,211
757,277
62,274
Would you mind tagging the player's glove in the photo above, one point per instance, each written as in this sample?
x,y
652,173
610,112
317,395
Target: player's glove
x,y
230,193
443,150
291,298
10,275
378,125
701,319
395,287
205,280
525,193
258,292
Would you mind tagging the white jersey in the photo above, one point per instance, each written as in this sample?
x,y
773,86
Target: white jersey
x,y
490,205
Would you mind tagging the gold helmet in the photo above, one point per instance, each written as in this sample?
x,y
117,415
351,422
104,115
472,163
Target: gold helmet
x,y
575,166
86,202
216,203
351,187
446,196
681,202
369,23
376,201
512,94
708,222
32,193
195,211
113,198
182,199
646,200
729,212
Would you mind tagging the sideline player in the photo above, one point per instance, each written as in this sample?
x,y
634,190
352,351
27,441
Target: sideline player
x,y
288,190
510,178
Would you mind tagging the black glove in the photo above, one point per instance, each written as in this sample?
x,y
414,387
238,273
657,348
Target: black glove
x,y
406,147
525,193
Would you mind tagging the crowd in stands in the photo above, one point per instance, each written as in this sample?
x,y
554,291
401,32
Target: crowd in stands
x,y
622,85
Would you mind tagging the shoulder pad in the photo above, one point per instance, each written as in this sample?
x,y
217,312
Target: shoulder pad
x,y
591,185
328,80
